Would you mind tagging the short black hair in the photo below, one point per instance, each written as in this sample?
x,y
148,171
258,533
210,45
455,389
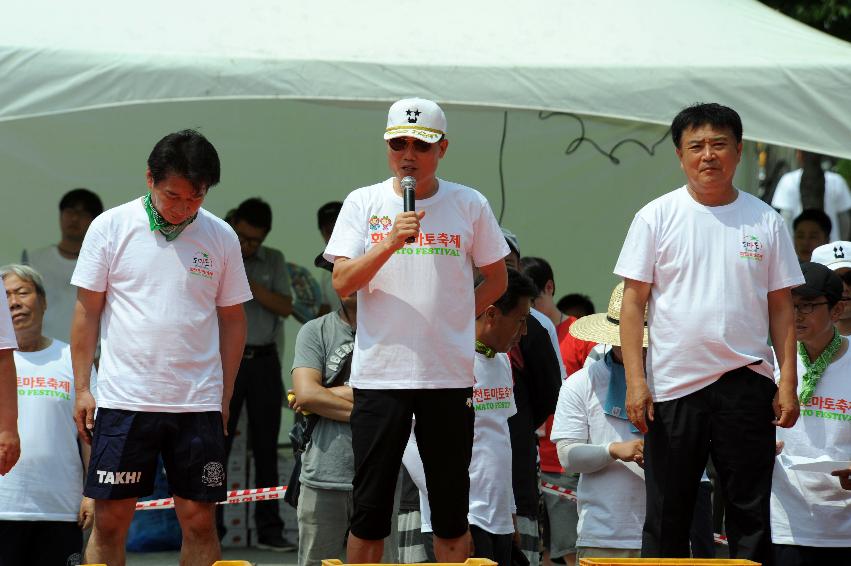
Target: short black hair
x,y
538,270
519,286
328,213
576,300
256,212
701,114
817,216
90,202
186,154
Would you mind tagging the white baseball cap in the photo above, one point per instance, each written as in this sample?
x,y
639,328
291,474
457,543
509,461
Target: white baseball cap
x,y
417,118
834,255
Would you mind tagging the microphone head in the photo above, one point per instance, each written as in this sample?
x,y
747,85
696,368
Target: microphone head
x,y
408,183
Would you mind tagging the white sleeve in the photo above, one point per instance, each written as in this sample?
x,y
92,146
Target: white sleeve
x,y
233,283
571,417
841,195
489,244
7,331
786,196
92,269
349,236
579,458
784,270
637,259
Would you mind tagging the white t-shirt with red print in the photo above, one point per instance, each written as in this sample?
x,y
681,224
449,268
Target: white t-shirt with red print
x,y
416,317
711,269
47,482
159,327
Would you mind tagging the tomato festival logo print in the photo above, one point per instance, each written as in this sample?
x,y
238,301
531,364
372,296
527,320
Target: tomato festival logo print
x,y
751,248
202,265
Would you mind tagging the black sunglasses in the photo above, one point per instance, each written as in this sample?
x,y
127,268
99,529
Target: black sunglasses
x,y
400,144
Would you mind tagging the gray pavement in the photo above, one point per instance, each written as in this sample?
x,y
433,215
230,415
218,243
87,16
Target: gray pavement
x,y
252,555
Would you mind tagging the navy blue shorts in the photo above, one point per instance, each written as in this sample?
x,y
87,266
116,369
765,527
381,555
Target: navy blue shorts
x,y
126,444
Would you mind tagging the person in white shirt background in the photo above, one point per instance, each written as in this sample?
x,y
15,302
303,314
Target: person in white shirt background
x,y
41,498
594,438
55,263
812,187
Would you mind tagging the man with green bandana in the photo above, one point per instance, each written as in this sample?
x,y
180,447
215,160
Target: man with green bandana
x,y
810,513
162,281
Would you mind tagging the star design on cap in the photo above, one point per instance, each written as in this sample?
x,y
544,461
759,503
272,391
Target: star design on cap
x,y
412,115
838,252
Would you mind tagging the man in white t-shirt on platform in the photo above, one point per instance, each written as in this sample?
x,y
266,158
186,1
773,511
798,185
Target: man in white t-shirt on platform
x,y
823,190
492,505
716,265
810,513
56,262
416,316
163,280
837,256
10,443
41,498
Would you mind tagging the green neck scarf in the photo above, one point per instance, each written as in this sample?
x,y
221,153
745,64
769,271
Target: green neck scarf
x,y
486,351
166,228
815,369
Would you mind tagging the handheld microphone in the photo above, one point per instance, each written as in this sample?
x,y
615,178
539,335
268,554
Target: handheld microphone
x,y
409,184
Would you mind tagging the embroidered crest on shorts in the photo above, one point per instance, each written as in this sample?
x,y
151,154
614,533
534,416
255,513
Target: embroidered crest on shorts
x,y
213,475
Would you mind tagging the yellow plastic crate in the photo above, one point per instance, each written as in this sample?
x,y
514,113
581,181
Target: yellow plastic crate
x,y
231,563
469,562
666,561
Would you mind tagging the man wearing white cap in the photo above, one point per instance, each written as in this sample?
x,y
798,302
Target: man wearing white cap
x,y
837,256
414,348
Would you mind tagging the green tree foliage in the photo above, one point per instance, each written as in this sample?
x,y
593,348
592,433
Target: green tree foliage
x,y
829,16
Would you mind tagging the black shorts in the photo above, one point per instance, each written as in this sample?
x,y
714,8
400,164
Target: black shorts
x,y
126,444
381,425
40,542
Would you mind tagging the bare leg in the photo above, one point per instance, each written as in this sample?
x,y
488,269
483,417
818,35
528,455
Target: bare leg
x,y
364,551
112,520
200,540
452,549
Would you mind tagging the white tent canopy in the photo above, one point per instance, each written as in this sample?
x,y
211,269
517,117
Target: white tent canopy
x,y
618,59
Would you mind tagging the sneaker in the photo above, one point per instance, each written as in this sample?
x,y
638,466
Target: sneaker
x,y
275,542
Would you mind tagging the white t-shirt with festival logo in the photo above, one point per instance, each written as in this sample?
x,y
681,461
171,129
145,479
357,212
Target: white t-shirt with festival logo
x,y
811,508
159,327
711,269
491,492
416,316
47,482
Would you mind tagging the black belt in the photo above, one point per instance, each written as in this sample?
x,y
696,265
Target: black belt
x,y
251,352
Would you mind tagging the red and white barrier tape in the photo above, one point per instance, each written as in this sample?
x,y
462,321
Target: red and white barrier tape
x,y
235,496
568,494
552,488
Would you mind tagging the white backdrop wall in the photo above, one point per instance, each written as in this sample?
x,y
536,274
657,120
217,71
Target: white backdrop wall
x,y
570,209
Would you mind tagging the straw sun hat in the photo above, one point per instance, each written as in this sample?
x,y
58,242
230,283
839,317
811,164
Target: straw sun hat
x,y
604,328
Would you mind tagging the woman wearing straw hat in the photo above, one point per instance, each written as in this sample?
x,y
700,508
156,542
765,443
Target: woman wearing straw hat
x,y
595,438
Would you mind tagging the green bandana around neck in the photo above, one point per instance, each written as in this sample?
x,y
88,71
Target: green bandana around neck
x,y
157,222
815,369
486,351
